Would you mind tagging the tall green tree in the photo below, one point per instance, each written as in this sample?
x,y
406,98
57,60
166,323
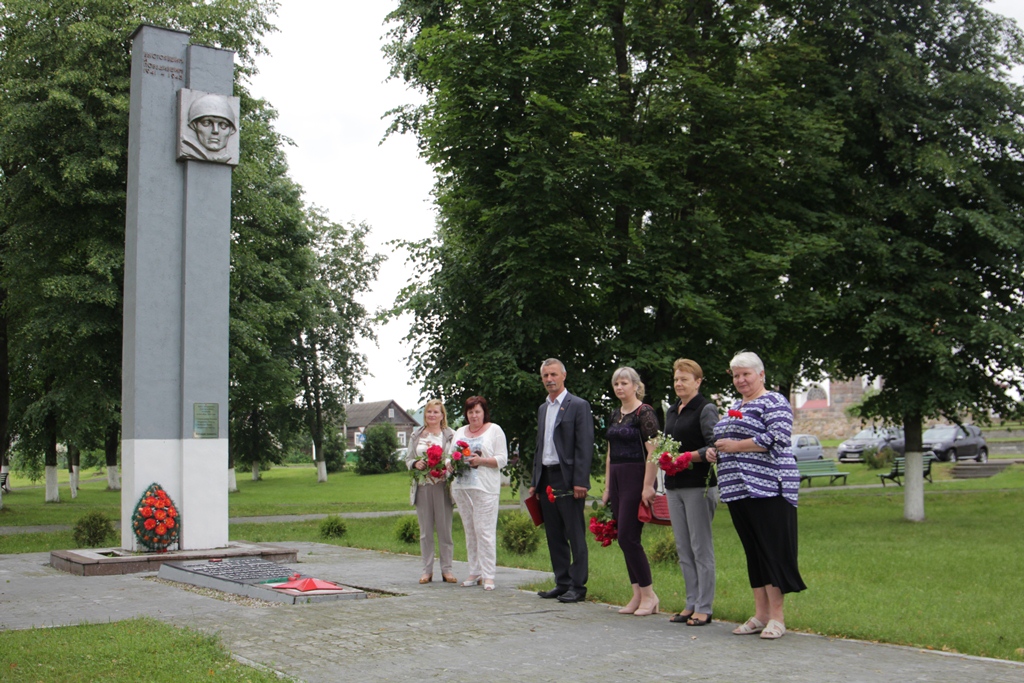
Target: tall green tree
x,y
929,211
619,182
271,260
334,320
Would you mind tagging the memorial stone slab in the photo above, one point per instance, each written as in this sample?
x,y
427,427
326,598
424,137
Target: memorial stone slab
x,y
253,578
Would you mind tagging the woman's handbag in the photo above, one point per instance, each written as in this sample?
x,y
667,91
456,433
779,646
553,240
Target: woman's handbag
x,y
657,513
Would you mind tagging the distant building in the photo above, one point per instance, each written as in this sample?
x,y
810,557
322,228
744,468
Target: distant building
x,y
819,408
359,416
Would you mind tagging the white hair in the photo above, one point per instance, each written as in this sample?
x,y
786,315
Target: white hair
x,y
747,359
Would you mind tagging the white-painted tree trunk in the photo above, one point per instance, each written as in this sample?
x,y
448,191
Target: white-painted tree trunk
x,y
113,478
255,471
321,472
232,482
913,487
3,468
52,493
75,470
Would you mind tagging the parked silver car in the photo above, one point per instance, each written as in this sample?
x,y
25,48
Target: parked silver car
x,y
807,447
852,450
952,443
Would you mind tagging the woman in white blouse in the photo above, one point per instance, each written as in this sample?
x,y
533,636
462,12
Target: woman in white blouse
x,y
430,496
477,490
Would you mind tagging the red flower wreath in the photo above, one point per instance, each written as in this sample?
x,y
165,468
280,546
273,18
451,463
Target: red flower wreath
x,y
154,519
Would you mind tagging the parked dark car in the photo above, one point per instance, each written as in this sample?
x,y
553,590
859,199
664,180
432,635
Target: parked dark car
x,y
952,443
807,447
852,450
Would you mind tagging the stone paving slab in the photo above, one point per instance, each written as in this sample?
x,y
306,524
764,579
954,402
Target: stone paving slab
x,y
445,632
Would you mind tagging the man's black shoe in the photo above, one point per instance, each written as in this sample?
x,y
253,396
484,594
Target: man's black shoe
x,y
553,593
573,596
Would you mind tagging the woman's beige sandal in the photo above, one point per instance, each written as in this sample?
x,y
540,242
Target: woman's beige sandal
x,y
773,630
752,625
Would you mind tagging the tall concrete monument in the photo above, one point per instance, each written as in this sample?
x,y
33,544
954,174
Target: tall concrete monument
x,y
182,145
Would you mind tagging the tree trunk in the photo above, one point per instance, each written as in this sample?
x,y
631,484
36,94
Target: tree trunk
x,y
5,387
913,477
50,434
74,456
321,471
52,492
110,444
232,482
255,470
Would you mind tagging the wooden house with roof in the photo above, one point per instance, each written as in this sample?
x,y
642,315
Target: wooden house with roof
x,y
359,416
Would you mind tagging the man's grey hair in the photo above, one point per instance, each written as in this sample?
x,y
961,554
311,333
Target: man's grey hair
x,y
552,361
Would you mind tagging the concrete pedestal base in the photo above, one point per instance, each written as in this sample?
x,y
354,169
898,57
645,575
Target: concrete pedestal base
x,y
111,561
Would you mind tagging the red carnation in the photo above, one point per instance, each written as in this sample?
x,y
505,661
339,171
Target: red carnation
x,y
146,511
160,514
149,524
161,529
169,523
736,413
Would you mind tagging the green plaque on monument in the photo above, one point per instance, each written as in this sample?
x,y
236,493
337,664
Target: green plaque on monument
x,y
205,421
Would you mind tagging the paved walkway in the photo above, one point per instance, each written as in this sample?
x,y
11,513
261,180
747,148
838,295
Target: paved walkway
x,y
440,631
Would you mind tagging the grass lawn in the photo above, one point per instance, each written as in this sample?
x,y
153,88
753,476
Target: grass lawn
x,y
118,653
282,491
948,583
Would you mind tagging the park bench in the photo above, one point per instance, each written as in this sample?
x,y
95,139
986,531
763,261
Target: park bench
x,y
820,468
3,482
898,469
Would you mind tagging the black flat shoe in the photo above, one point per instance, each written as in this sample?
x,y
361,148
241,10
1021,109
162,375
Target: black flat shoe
x,y
553,593
694,621
573,596
681,618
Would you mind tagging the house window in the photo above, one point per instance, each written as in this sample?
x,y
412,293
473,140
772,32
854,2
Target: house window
x,y
401,438
391,413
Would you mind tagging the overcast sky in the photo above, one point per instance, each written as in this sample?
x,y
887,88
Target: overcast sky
x,y
327,78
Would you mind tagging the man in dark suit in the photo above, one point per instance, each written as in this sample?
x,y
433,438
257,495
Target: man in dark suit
x,y
565,448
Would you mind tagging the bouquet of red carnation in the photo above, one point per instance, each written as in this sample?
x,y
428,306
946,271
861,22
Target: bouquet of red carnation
x,y
736,413
602,525
457,460
683,461
435,470
553,493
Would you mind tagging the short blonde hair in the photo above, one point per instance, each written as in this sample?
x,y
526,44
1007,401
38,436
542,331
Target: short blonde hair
x,y
630,374
687,365
444,413
747,359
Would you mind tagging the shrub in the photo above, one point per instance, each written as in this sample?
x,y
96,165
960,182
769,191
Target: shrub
x,y
92,530
333,526
518,534
378,455
407,529
663,550
878,459
334,452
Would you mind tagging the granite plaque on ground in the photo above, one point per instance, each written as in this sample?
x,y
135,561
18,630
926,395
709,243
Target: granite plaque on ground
x,y
257,578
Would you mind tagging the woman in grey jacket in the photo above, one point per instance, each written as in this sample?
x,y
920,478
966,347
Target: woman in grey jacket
x,y
431,496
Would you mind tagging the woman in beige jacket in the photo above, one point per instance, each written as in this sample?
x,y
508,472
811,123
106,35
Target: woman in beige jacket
x,y
431,496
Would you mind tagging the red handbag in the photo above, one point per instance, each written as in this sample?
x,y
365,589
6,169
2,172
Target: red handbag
x,y
657,513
